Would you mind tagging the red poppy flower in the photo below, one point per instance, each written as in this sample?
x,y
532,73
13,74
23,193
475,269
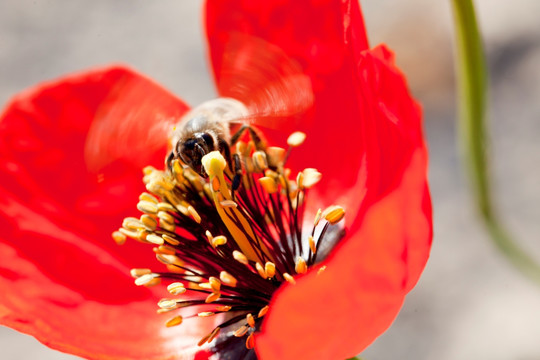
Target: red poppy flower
x,y
65,282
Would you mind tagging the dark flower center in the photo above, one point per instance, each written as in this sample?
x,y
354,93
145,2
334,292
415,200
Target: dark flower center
x,y
227,251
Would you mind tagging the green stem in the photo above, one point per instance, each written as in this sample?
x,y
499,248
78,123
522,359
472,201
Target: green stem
x,y
472,83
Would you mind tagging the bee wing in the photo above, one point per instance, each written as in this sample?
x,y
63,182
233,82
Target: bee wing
x,y
260,75
132,124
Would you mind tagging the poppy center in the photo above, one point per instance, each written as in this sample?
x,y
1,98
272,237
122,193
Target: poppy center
x,y
229,240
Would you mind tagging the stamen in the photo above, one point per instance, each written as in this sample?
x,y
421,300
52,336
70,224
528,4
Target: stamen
x,y
212,297
296,139
219,240
301,266
333,214
175,321
241,258
167,303
119,238
263,311
176,288
250,342
228,250
270,269
241,331
250,320
145,279
228,279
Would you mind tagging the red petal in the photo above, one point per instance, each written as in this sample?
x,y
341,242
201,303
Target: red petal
x,y
62,278
340,312
336,314
326,38
364,135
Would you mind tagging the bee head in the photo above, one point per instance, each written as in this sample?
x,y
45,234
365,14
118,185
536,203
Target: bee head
x,y
192,150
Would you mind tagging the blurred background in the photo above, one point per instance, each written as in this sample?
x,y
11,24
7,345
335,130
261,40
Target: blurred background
x,y
469,304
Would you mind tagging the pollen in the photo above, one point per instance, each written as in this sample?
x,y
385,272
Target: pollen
x,y
231,239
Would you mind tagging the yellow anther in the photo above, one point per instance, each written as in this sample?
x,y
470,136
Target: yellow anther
x,y
163,206
228,203
163,311
269,185
166,249
300,180
165,217
241,258
212,297
223,308
168,259
148,197
167,303
178,171
206,314
205,286
260,270
301,266
241,331
219,240
145,279
263,311
154,239
209,236
312,245
147,207
214,334
250,341
259,160
141,235
241,148
176,288
168,226
175,321
176,268
132,223
296,139
270,269
321,269
204,340
194,214
333,214
317,217
129,233
139,272
310,178
215,284
227,279
275,156
149,222
170,240
250,320
289,278
119,238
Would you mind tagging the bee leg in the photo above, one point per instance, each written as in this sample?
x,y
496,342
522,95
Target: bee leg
x,y
237,168
259,143
234,164
236,135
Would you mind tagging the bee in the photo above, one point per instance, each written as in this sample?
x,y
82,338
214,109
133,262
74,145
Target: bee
x,y
258,85
204,129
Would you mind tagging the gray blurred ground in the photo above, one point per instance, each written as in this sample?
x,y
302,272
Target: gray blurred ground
x,y
469,303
